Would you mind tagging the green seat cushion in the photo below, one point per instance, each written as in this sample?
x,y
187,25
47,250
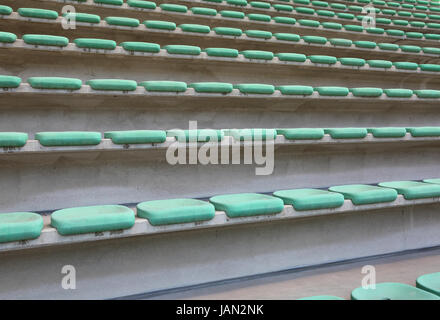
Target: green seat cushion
x,y
356,62
95,43
197,28
431,50
141,46
388,46
112,84
406,65
13,139
365,44
164,86
7,37
122,21
413,189
225,31
338,6
383,20
375,30
92,219
355,8
380,64
341,42
416,24
310,199
83,17
320,3
323,59
5,10
142,4
212,87
322,298
325,13
247,204
434,16
258,34
171,211
365,194
302,133
287,37
366,92
255,88
433,25
428,94
285,20
237,2
232,14
395,33
294,57
55,83
221,52
252,134
202,135
136,136
408,48
392,291
432,36
345,15
404,13
419,15
314,39
158,24
398,93
346,133
332,91
257,54
387,132
259,17
204,11
183,49
353,27
18,226
414,35
45,40
309,23
173,7
429,282
110,2
424,131
306,2
331,25
430,67
399,22
9,81
295,90
282,7
68,138
38,13
303,10
260,4
389,12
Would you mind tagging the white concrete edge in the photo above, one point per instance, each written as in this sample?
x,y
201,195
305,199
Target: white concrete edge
x,y
50,237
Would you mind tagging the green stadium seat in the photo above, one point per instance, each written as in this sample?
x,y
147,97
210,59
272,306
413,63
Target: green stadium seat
x,y
55,83
293,57
302,133
83,17
383,20
353,27
92,219
398,93
258,34
68,138
322,298
295,90
197,28
427,94
45,40
183,49
341,42
122,21
9,81
408,48
287,37
142,4
282,7
346,133
247,204
112,84
399,22
225,31
392,291
285,20
314,39
417,24
241,3
414,35
433,25
232,14
432,36
420,15
302,10
366,92
173,7
310,199
305,2
365,44
375,30
389,12
110,2
204,11
429,282
406,65
395,33
203,135
91,43
161,25
141,46
5,10
424,131
365,194
7,37
413,189
388,46
429,67
355,8
325,13
259,17
18,226
344,15
173,211
387,132
136,136
404,13
212,87
13,139
38,13
255,88
321,59
309,23
331,25
431,50
252,134
338,6
221,52
320,3
257,54
164,86
260,4
332,91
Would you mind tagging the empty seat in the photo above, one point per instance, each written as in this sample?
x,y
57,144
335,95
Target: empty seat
x,y
259,17
55,83
183,49
141,4
424,131
365,44
5,10
258,34
18,226
346,133
247,204
252,134
429,282
387,132
112,84
436,181
427,94
413,189
287,37
141,46
204,11
398,93
171,211
392,291
285,20
354,62
255,88
226,31
91,43
68,138
161,25
282,7
380,64
212,87
340,42
365,194
38,13
13,139
366,92
321,59
322,298
408,48
309,23
221,52
293,57
314,39
295,90
9,81
257,54
197,28
202,135
174,7
92,219
45,40
164,86
404,65
122,21
310,199
332,91
136,136
302,133
83,17
110,2
7,37
241,3
232,14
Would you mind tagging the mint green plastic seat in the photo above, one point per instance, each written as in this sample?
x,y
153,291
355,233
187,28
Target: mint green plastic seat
x,y
183,49
309,23
282,7
295,90
172,211
392,291
365,194
221,52
247,204
387,132
240,3
38,13
204,11
404,65
346,133
353,27
427,94
302,10
251,134
400,22
19,226
338,6
354,62
355,8
92,43
432,36
5,10
212,87
55,83
413,189
340,42
332,91
292,57
380,64
257,54
388,46
164,86
302,133
45,40
201,135
141,46
68,138
81,220
259,17
197,28
375,30
366,92
322,298
414,35
9,81
142,4
173,7
318,3
260,4
310,199
112,84
383,21
255,88
258,34
430,283
232,14
431,50
325,13
306,2
331,25
345,15
395,32
7,37
225,31
110,2
83,17
389,12
424,131
314,39
321,59
161,25
284,20
136,136
13,139
409,48
398,93
122,21
365,44
433,25
416,24
287,37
